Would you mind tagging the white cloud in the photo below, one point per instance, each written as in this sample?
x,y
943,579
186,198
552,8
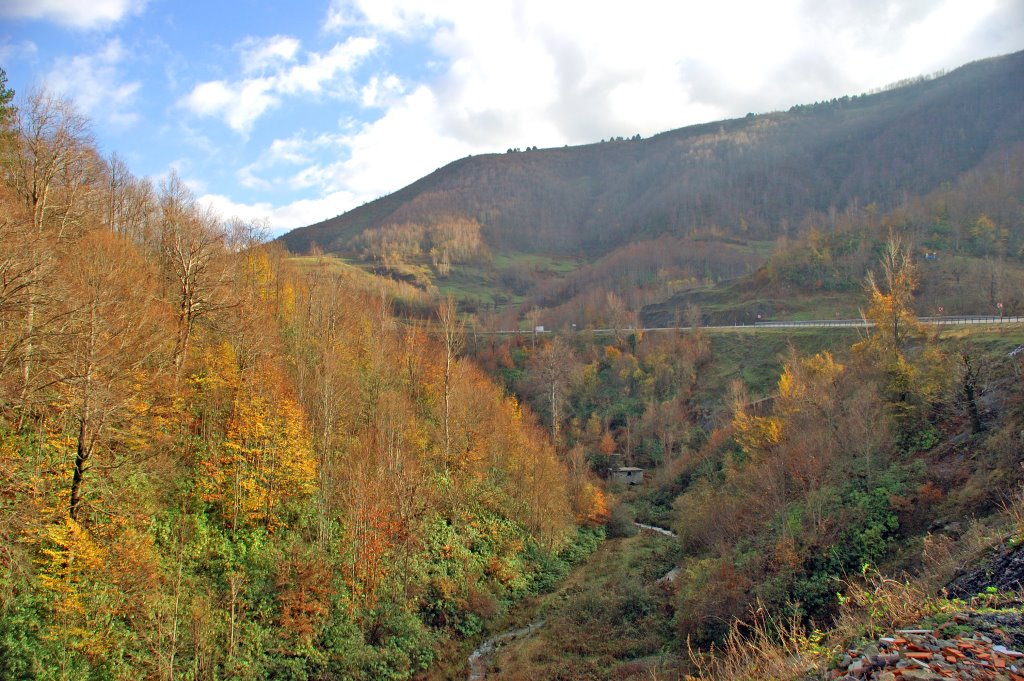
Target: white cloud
x,y
289,152
406,143
365,160
241,103
320,70
552,72
25,49
80,14
390,16
93,83
209,98
295,149
259,54
381,90
347,168
281,218
549,72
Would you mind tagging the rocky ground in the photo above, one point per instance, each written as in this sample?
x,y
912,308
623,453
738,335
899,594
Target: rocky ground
x,y
1003,571
971,645
983,641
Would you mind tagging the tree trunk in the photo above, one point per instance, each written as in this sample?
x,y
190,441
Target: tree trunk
x,y
81,458
971,394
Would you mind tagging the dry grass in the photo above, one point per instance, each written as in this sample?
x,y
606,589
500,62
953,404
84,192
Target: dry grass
x,y
943,557
877,604
765,647
1013,510
775,648
770,647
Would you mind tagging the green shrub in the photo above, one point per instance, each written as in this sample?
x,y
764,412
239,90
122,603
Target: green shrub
x,y
620,523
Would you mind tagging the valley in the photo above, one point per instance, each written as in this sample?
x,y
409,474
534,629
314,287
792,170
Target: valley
x,y
738,400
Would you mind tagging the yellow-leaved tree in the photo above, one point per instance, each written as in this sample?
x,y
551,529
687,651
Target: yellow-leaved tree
x,y
913,382
266,462
790,448
891,298
70,559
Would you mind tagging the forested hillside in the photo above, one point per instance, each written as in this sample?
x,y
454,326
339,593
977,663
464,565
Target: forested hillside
x,y
215,463
593,235
219,459
754,177
967,238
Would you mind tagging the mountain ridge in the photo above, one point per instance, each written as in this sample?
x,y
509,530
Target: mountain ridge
x,y
756,175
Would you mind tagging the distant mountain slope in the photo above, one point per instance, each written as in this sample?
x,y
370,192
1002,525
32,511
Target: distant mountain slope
x,y
758,175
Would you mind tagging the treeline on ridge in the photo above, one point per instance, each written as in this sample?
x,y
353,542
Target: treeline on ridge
x,y
753,177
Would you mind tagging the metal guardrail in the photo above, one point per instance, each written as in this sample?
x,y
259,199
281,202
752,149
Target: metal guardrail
x,y
962,320
958,321
812,323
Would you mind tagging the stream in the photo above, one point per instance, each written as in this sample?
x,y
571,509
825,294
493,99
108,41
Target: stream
x,y
671,575
659,530
479,658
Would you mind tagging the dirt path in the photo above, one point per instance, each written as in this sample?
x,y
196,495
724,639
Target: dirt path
x,y
671,575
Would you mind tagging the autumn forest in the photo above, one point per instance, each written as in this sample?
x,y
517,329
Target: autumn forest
x,y
383,446
215,464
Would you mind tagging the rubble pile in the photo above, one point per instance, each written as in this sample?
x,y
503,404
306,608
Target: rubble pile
x,y
971,645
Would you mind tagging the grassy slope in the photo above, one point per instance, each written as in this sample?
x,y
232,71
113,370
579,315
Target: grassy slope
x,y
471,284
606,621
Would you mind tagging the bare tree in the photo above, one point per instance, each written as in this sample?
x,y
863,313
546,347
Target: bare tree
x,y
112,336
617,314
131,203
554,362
192,250
52,172
452,336
533,319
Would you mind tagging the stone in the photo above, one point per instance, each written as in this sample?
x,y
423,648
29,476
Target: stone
x,y
889,659
920,675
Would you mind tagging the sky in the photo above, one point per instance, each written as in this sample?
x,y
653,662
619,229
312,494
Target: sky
x,y
294,112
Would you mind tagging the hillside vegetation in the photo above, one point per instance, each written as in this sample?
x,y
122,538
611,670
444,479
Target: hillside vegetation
x,y
630,223
216,462
219,459
819,481
753,175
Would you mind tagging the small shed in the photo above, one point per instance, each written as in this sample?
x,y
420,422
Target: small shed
x,y
629,475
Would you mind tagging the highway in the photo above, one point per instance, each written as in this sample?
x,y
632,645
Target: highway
x,y
965,320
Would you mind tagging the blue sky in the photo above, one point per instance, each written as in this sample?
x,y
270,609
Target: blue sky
x,y
294,112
